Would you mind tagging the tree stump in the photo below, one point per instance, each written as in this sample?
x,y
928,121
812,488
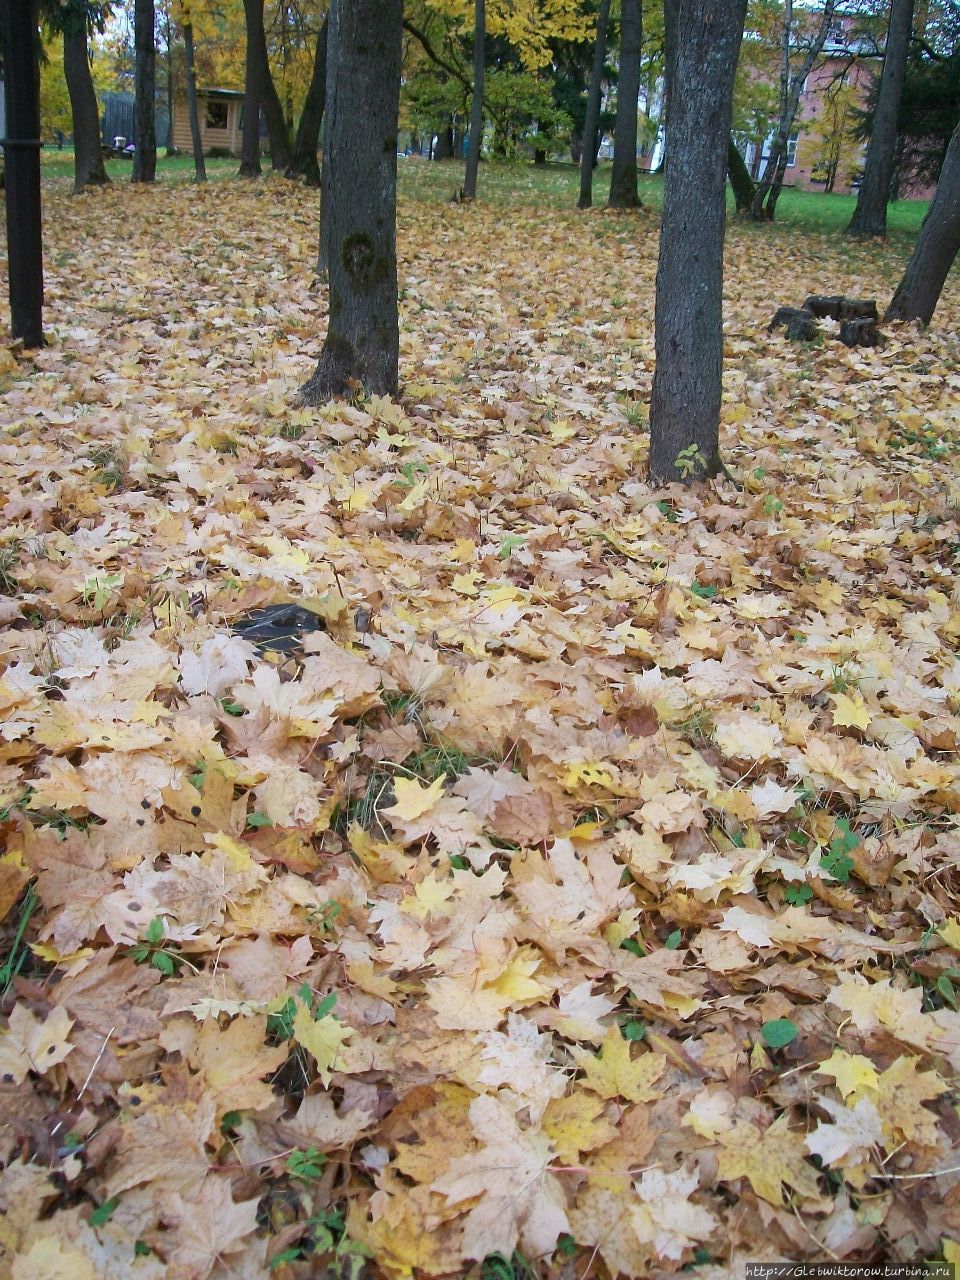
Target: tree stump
x,y
861,332
799,324
835,307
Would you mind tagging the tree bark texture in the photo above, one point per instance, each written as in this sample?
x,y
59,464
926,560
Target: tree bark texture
x,y
88,166
193,110
740,180
791,87
363,97
18,32
252,91
870,216
623,179
476,109
145,93
304,164
936,248
702,47
588,153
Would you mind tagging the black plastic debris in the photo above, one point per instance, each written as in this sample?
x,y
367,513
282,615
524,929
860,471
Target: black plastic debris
x,y
279,628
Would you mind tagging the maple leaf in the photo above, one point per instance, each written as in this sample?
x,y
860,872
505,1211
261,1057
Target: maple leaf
x,y
767,1158
665,1217
854,1074
519,1198
324,1038
850,711
413,800
31,1045
854,1131
614,1074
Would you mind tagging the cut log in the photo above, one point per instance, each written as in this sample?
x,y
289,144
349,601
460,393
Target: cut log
x,y
834,307
799,324
862,332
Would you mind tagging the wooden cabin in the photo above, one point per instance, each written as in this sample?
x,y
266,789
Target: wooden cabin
x,y
220,113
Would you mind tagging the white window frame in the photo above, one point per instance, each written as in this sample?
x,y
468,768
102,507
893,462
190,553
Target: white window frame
x,y
792,143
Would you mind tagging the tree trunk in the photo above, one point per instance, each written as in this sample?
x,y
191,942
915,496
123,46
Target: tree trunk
x,y
252,91
199,164
304,163
88,167
360,156
870,216
702,49
476,109
21,95
444,148
791,87
281,151
623,179
145,93
937,245
740,180
588,152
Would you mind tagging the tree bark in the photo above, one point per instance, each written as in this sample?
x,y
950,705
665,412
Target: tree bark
x,y
281,150
199,164
476,109
363,98
252,91
444,147
740,180
791,87
18,34
936,248
304,164
266,94
702,48
623,179
88,166
588,153
870,216
145,93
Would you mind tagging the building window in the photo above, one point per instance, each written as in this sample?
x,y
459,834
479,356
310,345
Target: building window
x,y
792,150
216,115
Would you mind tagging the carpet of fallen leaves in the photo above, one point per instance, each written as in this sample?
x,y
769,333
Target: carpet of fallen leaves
x,y
587,886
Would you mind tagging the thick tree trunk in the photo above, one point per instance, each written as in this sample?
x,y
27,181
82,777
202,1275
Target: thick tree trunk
x,y
870,216
145,93
304,164
476,109
88,167
199,164
623,179
702,49
740,180
360,157
444,146
791,87
588,152
252,93
21,96
281,150
937,245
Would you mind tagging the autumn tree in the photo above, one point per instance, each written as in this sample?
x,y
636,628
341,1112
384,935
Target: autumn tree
x,y
363,98
937,245
870,216
74,20
260,93
702,50
792,77
193,110
145,92
588,156
623,178
303,162
476,110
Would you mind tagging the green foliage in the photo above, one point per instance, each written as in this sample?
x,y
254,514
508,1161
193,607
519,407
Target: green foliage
x,y
156,951
306,1165
835,861
779,1032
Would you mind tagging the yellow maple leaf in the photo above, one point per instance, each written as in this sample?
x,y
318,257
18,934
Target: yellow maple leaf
x,y
324,1038
950,932
516,983
31,1045
849,712
853,1073
577,1123
767,1158
413,800
902,1091
614,1074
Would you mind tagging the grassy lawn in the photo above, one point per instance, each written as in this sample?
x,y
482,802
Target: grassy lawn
x,y
521,185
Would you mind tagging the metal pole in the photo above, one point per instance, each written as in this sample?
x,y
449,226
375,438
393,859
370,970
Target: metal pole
x,y
18,22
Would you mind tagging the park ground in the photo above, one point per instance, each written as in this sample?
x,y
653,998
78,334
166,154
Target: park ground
x,y
580,897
